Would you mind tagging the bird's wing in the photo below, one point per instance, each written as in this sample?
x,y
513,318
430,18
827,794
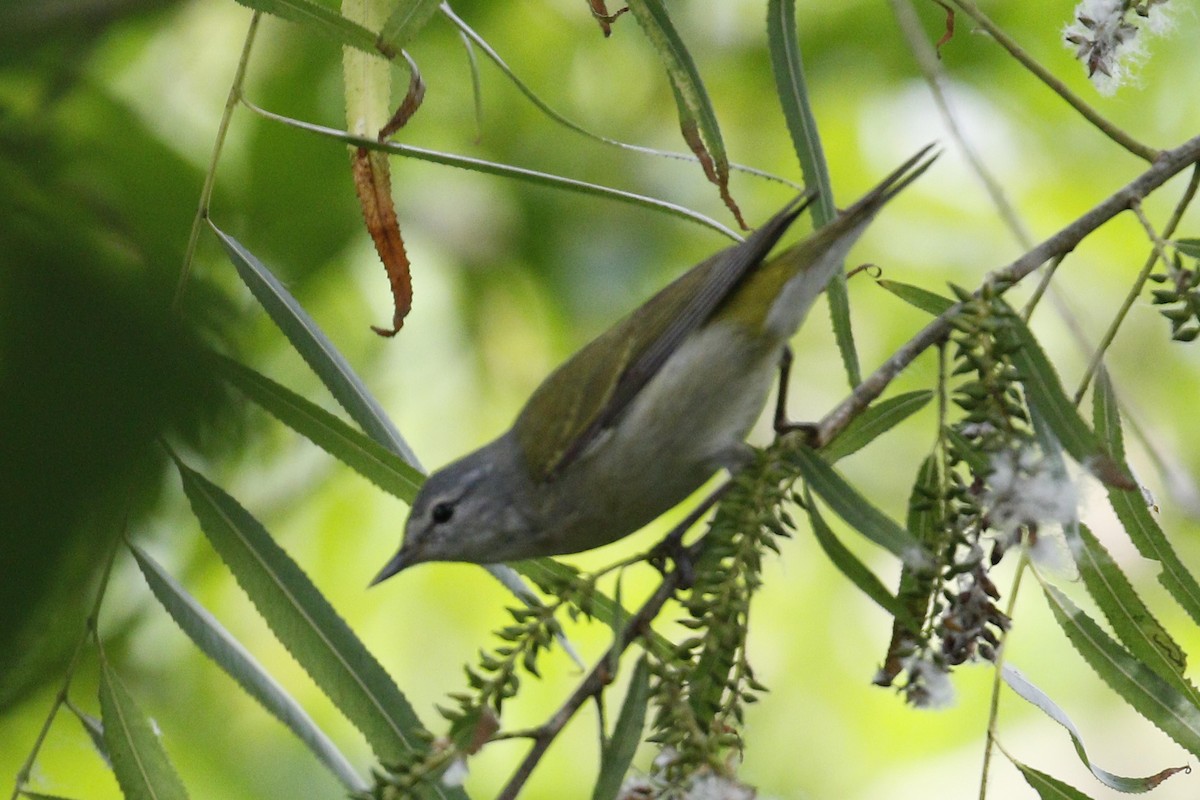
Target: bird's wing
x,y
589,393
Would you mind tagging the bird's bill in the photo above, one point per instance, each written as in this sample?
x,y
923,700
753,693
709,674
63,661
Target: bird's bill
x,y
399,561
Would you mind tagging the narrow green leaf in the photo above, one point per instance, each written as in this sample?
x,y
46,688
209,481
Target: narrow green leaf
x,y
504,170
218,644
315,348
406,21
1151,696
1146,638
1133,512
139,761
304,622
1036,697
787,65
695,108
1049,787
838,297
627,735
1045,393
365,456
925,300
318,18
94,730
1189,247
857,572
1106,415
856,510
916,590
40,796
1149,539
874,422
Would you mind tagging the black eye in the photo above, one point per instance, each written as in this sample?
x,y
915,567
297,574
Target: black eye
x,y
442,512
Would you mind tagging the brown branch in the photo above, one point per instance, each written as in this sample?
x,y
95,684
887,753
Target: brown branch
x,y
601,676
593,684
1166,166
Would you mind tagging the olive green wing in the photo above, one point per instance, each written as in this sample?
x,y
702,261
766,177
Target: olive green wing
x,y
589,393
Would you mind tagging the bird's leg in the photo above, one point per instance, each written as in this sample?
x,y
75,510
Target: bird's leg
x,y
672,547
782,424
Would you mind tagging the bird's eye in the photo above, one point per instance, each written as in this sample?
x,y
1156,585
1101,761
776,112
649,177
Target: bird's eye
x,y
442,512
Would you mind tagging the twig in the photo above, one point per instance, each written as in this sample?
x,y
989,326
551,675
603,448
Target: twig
x,y
601,674
1168,164
596,680
1058,87
998,677
1156,253
235,93
60,697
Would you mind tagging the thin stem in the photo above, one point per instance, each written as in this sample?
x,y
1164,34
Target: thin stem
x,y
235,93
1058,87
472,36
931,68
597,679
603,672
494,168
1040,289
1157,253
997,678
60,697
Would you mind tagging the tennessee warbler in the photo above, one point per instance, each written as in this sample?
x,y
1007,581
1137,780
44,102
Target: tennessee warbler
x,y
648,411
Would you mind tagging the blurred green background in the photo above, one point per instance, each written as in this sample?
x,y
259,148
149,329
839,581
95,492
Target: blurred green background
x,y
107,115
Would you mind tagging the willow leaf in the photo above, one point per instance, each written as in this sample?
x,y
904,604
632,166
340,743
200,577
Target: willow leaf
x,y
856,510
927,301
1146,638
697,119
139,761
407,19
365,456
1106,415
1142,688
856,571
787,65
315,348
319,18
1049,787
1036,697
1045,393
627,734
874,422
227,652
304,622
1133,512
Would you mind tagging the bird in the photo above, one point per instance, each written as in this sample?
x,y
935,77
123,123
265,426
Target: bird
x,y
644,414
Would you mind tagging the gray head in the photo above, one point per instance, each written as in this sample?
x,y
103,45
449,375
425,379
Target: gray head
x,y
471,510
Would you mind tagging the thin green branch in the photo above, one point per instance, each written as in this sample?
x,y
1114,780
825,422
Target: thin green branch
x,y
470,35
60,697
235,93
1157,253
1058,87
494,168
997,677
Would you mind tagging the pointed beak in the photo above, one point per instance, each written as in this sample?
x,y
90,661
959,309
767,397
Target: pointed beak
x,y
398,562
